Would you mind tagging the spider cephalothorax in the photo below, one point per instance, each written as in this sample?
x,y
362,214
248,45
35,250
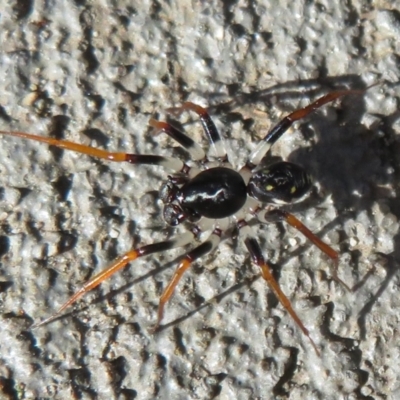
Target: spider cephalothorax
x,y
207,196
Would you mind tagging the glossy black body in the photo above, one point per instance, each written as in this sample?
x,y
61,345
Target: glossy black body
x,y
221,192
214,193
281,182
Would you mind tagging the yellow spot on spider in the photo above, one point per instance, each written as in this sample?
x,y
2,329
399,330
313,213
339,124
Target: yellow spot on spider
x,y
293,190
268,188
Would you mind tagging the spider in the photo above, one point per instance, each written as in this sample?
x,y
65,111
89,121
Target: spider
x,y
210,198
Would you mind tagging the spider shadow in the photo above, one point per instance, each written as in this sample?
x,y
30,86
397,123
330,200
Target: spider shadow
x,y
342,155
349,160
391,267
391,261
210,302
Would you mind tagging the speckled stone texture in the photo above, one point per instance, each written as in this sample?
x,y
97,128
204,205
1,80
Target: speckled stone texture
x,y
94,72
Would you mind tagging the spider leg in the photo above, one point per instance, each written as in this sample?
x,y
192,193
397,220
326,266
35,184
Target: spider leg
x,y
118,264
167,162
191,256
280,215
279,129
208,125
195,150
256,255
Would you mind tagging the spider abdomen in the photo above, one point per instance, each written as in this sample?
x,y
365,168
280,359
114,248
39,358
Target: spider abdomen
x,y
214,193
281,183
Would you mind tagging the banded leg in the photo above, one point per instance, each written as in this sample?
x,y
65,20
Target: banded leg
x,y
195,150
118,264
173,164
280,215
191,256
208,125
279,129
256,255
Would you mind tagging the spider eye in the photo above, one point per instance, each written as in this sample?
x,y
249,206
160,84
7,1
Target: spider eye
x,y
282,182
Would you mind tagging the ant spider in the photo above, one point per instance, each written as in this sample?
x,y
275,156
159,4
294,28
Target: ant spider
x,y
209,197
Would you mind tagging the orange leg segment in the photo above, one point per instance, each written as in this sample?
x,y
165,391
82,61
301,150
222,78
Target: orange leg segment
x,y
284,124
118,264
191,256
293,221
278,130
167,162
303,112
258,259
